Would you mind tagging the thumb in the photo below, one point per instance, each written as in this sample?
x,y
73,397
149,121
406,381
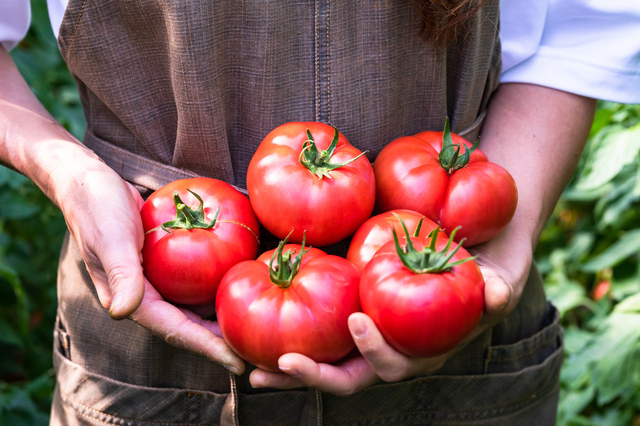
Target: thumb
x,y
497,293
125,279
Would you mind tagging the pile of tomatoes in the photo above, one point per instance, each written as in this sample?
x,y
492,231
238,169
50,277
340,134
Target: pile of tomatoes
x,y
310,188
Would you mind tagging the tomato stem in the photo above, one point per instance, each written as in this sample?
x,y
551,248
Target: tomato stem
x,y
285,269
317,162
450,157
418,226
429,260
188,218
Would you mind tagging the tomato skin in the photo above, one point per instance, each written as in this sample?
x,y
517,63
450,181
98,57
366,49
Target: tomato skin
x,y
185,266
285,195
481,197
422,315
601,290
377,231
262,321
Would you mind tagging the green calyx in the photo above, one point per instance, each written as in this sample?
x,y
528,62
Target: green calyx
x,y
450,157
188,218
283,267
429,260
317,162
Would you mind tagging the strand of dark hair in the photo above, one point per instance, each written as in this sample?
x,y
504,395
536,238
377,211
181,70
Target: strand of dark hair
x,y
444,21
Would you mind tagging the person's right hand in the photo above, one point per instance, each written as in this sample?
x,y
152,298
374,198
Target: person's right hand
x,y
102,214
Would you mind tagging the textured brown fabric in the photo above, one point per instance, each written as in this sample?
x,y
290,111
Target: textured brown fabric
x,y
197,85
178,89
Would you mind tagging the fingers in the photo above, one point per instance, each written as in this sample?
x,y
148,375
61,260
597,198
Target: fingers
x,y
497,293
388,363
125,279
185,330
344,379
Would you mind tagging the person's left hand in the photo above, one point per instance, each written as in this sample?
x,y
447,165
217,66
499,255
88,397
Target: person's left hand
x,y
378,360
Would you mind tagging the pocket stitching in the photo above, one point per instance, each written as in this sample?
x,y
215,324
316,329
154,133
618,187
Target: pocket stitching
x,y
70,403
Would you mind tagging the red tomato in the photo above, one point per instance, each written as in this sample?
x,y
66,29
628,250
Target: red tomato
x,y
601,290
294,184
422,311
301,304
377,231
414,172
186,262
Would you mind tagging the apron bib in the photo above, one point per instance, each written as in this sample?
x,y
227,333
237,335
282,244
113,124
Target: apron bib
x,y
180,89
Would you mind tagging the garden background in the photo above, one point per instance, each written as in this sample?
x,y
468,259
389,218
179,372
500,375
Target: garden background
x,y
588,255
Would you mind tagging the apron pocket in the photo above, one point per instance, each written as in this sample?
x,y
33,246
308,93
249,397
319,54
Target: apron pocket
x,y
520,387
86,398
527,352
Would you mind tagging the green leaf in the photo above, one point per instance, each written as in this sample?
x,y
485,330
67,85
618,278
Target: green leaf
x,y
566,294
9,336
10,275
575,339
12,178
601,119
626,246
610,150
613,357
629,305
15,206
573,402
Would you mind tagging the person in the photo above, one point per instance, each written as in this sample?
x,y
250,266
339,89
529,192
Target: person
x,y
182,89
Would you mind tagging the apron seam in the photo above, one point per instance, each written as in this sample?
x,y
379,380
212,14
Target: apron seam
x,y
317,59
70,403
328,64
73,33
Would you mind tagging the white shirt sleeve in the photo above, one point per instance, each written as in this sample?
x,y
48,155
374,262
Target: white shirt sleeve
x,y
587,47
15,16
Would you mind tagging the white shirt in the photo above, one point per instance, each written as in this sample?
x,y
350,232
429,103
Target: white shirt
x,y
587,47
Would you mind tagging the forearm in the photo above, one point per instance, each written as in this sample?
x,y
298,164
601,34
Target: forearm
x,y
537,134
31,140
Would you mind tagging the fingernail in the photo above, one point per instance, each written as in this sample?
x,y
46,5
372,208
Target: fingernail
x,y
358,328
506,302
231,368
504,305
117,303
291,371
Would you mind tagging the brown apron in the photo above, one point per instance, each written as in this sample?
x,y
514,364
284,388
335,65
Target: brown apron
x,y
178,89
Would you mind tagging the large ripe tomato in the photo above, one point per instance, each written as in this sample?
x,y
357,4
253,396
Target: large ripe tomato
x,y
208,227
449,187
302,177
423,303
377,231
300,304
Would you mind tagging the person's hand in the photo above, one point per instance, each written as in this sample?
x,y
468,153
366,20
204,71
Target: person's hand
x,y
102,213
377,360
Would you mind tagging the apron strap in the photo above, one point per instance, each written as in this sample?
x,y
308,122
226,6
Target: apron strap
x,y
312,412
229,416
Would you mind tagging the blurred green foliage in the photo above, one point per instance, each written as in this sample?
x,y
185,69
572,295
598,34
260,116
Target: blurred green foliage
x,y
31,232
588,255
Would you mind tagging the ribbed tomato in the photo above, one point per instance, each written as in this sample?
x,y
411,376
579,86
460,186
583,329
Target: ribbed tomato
x,y
423,296
377,231
195,230
307,177
299,302
450,181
